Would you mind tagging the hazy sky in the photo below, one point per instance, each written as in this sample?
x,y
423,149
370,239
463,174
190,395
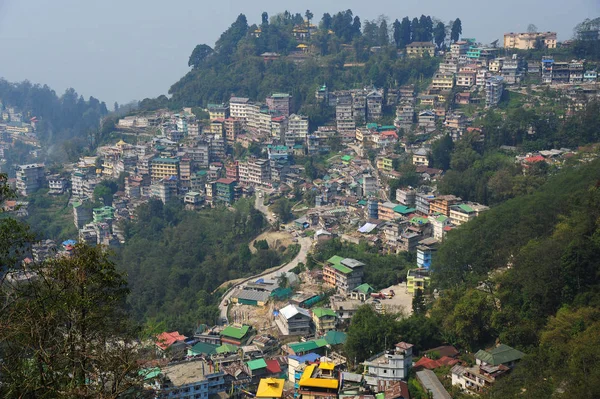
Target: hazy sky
x,y
120,50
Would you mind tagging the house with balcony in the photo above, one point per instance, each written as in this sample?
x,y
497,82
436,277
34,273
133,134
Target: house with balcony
x,y
318,381
417,279
324,319
420,49
344,274
293,320
389,365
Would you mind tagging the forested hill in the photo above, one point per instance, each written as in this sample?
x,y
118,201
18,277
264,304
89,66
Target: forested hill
x,y
336,48
527,273
176,258
67,122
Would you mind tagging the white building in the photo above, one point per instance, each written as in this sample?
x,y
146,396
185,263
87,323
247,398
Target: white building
x,y
297,126
30,178
238,107
293,320
388,365
494,87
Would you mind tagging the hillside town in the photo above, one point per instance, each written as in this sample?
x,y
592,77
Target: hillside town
x,y
281,333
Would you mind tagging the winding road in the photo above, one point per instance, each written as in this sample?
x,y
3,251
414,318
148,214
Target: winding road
x,y
305,246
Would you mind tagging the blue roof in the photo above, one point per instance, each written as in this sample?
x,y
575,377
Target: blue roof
x,y
69,242
308,357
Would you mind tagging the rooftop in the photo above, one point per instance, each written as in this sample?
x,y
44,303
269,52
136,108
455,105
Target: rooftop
x,y
270,388
187,372
499,355
235,332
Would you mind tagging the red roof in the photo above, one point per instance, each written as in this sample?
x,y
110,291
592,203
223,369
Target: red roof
x,y
447,228
389,133
273,366
431,364
537,158
166,339
224,180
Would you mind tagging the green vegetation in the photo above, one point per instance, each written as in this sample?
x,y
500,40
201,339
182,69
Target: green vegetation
x,y
526,272
339,57
51,216
64,329
175,259
382,271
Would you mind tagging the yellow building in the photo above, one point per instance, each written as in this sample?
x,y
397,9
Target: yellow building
x,y
318,382
417,279
270,388
527,41
324,319
164,167
442,81
385,164
419,49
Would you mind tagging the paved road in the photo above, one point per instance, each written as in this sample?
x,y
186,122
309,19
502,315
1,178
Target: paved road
x,y
305,246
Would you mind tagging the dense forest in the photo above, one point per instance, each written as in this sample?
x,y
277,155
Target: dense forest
x,y
526,272
175,259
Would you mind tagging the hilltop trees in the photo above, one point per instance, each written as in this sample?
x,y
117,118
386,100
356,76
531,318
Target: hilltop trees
x,y
200,53
456,30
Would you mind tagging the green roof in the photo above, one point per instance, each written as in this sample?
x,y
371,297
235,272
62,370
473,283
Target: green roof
x,y
346,158
371,125
235,332
419,220
320,312
466,208
149,374
226,348
301,347
501,354
335,259
202,348
364,288
335,337
341,268
441,218
362,202
404,210
257,364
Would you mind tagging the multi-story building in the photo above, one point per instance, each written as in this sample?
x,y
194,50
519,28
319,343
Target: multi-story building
x,y
218,111
225,190
238,108
494,88
560,72
465,79
527,41
255,171
297,126
439,224
30,178
279,103
164,189
57,184
424,256
461,214
186,380
417,279
406,196
386,211
442,81
422,201
420,157
420,49
279,125
385,163
427,119
547,64
82,214
442,204
590,76
575,72
369,185
343,274
374,105
293,320
389,365
405,115
318,381
459,48
324,319
162,167
217,149
233,128
199,153
511,71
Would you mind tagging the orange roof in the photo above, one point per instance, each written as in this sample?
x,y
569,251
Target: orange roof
x,y
431,364
537,158
166,339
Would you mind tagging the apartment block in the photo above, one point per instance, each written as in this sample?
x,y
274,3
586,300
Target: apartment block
x,y
30,178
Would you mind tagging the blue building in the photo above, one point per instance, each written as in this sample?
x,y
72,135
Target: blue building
x,y
424,255
192,379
